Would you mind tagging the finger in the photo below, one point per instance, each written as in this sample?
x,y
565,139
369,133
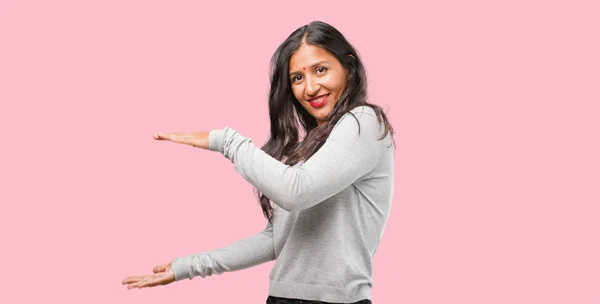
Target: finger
x,y
131,280
159,268
140,282
161,136
149,283
160,279
174,137
132,284
167,136
181,139
134,279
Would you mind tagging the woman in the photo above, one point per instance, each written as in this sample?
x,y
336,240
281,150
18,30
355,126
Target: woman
x,y
331,192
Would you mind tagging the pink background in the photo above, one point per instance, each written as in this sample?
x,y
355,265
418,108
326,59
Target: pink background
x,y
496,108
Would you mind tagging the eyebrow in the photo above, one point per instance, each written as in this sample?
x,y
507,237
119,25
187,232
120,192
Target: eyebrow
x,y
312,66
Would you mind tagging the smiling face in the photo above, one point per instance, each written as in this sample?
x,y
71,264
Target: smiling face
x,y
317,79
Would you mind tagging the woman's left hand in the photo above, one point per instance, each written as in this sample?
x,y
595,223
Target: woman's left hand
x,y
163,275
194,139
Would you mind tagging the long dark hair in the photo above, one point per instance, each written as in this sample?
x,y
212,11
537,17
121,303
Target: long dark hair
x,y
286,113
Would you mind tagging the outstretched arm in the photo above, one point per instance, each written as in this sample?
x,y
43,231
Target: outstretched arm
x,y
345,157
245,253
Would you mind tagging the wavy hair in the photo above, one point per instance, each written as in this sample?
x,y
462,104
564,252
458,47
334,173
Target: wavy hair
x,y
286,114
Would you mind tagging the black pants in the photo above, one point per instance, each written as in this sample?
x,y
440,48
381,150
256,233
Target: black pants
x,y
276,300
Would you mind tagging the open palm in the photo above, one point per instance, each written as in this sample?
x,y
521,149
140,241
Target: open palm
x,y
163,275
194,139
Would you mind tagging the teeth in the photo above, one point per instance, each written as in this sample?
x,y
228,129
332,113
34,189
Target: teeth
x,y
319,99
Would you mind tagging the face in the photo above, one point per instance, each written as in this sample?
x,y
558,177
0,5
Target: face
x,y
317,79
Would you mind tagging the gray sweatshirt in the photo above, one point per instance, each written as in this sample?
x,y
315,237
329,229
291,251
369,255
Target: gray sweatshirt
x,y
330,213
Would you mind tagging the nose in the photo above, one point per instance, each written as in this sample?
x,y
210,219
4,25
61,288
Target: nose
x,y
312,86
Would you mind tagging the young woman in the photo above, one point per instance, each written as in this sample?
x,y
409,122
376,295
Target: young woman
x,y
331,192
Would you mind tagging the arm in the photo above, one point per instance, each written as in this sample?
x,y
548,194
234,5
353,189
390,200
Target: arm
x,y
245,253
344,158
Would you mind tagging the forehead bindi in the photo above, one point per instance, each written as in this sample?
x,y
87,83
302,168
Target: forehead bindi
x,y
314,65
307,57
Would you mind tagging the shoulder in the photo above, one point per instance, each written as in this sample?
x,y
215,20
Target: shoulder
x,y
358,120
362,115
364,110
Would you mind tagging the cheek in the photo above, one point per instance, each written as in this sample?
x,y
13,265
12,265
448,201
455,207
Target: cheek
x,y
337,83
297,91
342,81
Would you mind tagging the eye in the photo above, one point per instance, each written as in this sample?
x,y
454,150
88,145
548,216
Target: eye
x,y
296,78
321,69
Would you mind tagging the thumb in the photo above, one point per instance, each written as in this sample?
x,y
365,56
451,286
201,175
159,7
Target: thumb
x,y
160,268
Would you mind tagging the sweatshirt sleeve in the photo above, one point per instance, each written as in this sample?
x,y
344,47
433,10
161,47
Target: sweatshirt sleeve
x,y
245,253
345,158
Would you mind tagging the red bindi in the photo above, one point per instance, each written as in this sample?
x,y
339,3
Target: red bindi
x,y
304,68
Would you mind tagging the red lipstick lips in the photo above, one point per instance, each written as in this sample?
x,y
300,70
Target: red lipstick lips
x,y
319,101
